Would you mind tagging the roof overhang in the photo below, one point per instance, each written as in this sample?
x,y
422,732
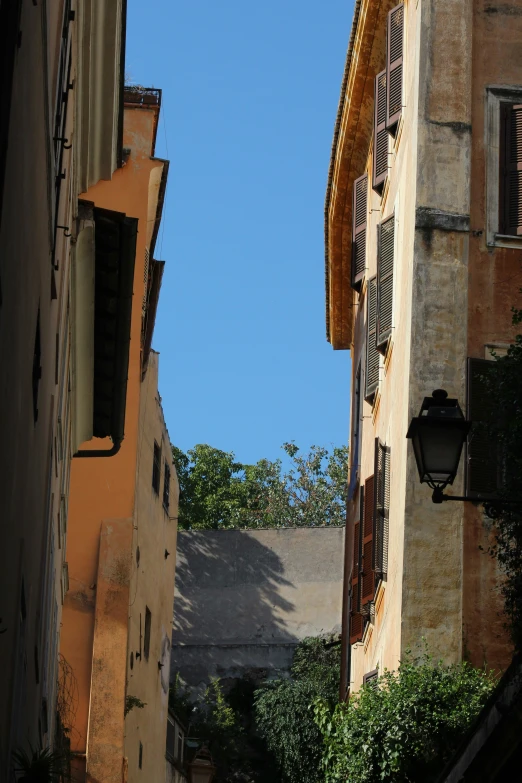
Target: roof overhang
x,y
351,142
115,239
99,85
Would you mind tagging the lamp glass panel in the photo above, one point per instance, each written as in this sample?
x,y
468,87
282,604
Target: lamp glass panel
x,y
441,450
201,775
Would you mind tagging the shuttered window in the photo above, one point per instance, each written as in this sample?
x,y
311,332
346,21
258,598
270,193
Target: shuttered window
x,y
394,60
356,618
359,219
372,355
483,463
367,574
380,134
510,217
385,259
381,510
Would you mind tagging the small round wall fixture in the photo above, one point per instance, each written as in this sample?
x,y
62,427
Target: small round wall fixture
x,y
438,434
201,768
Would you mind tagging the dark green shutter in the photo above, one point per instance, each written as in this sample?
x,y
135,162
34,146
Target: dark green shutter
x,y
372,355
367,525
380,134
381,510
510,217
482,475
385,261
394,62
359,220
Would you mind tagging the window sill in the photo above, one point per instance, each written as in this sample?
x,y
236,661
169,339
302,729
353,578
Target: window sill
x,y
506,240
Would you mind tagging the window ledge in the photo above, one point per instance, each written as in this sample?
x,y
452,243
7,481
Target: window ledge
x,y
506,240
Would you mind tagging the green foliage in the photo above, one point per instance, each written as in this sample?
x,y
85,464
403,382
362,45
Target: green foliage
x,y
217,492
219,727
131,702
39,765
283,714
403,728
505,388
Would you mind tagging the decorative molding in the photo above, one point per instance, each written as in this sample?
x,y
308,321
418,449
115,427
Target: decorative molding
x,y
431,218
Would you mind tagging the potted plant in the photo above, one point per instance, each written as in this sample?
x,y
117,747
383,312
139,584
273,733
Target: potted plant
x,y
38,765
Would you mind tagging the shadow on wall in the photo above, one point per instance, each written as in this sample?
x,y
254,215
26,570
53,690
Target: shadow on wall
x,y
231,589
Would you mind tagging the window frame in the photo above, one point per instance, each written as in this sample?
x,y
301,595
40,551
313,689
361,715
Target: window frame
x,y
147,633
166,487
495,96
156,468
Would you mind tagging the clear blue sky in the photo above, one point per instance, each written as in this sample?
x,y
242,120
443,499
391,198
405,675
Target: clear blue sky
x,y
250,92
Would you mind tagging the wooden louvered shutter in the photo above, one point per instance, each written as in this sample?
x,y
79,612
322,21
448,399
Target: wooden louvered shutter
x,y
359,219
510,217
367,573
482,475
356,618
382,510
385,254
394,66
380,134
372,355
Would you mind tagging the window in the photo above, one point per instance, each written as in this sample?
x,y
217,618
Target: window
x,y
380,135
356,430
156,469
37,368
381,508
140,757
356,618
371,678
367,524
385,262
504,166
394,58
510,178
359,218
166,488
372,355
483,463
180,747
146,639
171,737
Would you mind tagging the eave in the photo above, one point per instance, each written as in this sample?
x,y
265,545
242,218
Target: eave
x,y
351,142
115,238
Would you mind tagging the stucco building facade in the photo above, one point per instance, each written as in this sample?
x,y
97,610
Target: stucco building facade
x,y
423,251
60,131
246,598
121,544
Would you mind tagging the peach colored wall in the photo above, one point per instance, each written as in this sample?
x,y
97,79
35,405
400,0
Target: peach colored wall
x,y
104,488
152,586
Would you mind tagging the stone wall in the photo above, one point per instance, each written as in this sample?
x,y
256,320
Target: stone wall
x,y
244,599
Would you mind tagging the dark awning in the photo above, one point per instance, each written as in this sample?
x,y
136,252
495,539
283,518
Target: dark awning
x,y
115,253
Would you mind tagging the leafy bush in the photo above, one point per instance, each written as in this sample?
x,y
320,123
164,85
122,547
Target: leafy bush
x,y
283,714
404,727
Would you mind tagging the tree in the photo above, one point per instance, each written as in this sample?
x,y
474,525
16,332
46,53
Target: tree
x,y
283,713
405,727
218,492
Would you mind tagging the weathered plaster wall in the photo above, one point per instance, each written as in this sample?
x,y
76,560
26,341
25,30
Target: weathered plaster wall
x,y
152,586
35,457
245,598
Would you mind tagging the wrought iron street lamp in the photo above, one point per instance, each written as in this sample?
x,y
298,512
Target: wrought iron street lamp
x,y
202,769
438,434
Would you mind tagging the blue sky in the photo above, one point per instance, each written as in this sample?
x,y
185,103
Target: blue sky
x,y
250,94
